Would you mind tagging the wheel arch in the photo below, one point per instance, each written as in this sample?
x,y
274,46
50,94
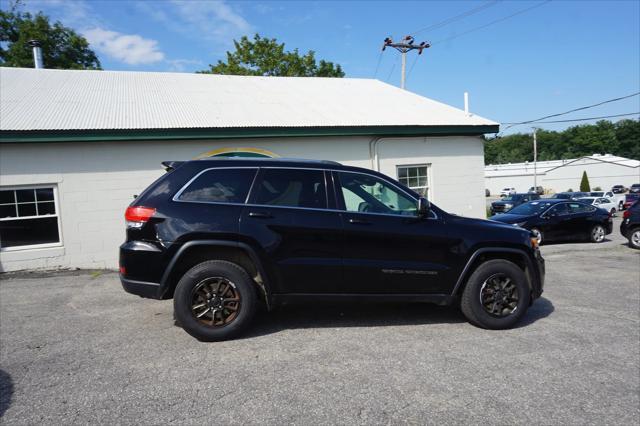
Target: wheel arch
x,y
194,252
517,256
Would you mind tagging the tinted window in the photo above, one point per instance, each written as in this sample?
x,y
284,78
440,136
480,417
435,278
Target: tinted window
x,y
369,194
220,186
291,188
559,210
580,208
530,208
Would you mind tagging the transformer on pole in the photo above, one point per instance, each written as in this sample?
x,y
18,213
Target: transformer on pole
x,y
403,47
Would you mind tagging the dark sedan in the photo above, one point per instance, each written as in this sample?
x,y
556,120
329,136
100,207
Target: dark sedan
x,y
511,201
557,219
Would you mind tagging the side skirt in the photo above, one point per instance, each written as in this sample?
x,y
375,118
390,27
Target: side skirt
x,y
438,299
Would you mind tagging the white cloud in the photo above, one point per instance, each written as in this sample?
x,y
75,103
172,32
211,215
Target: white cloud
x,y
208,21
131,49
181,65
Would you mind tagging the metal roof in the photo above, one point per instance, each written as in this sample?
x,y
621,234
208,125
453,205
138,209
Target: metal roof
x,y
65,100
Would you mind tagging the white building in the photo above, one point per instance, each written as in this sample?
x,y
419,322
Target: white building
x,y
75,146
603,171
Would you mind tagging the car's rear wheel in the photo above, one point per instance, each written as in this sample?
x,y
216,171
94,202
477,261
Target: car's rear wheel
x,y
613,211
634,238
537,235
597,234
496,295
215,300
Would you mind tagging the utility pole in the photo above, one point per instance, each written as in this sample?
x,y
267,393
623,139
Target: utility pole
x,y
535,160
403,47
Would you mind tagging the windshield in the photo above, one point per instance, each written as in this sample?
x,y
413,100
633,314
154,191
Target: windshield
x,y
588,200
596,194
532,207
512,198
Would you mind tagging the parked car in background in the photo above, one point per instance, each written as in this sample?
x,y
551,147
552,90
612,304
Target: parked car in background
x,y
600,202
630,226
569,195
559,220
617,199
629,199
635,188
220,236
618,189
511,201
487,193
537,190
507,191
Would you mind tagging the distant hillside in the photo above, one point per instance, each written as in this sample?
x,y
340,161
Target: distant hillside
x,y
604,137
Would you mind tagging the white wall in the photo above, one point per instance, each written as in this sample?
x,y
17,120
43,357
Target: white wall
x,y
97,180
602,174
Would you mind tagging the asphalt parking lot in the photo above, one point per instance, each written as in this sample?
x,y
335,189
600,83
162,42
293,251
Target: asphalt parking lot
x,y
75,348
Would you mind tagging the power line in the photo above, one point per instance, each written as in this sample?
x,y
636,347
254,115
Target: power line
x,y
377,65
585,119
456,17
392,68
573,110
504,18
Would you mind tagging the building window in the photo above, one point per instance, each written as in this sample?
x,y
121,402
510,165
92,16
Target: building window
x,y
415,177
28,217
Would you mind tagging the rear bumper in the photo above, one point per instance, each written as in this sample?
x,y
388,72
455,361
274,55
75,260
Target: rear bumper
x,y
141,288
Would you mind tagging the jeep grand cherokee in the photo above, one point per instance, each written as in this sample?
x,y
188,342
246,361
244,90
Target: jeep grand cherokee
x,y
220,236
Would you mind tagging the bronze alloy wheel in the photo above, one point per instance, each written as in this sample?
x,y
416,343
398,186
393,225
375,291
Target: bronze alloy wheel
x,y
499,295
215,302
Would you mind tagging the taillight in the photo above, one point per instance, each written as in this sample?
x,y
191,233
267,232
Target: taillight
x,y
138,216
626,214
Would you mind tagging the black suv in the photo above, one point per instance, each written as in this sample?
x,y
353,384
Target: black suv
x,y
220,235
630,226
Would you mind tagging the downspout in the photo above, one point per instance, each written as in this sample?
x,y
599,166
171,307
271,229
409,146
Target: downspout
x,y
373,152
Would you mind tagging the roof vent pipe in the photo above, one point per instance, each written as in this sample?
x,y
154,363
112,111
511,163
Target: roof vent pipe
x,y
37,53
466,104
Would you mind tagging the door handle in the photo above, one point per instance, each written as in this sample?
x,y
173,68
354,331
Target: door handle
x,y
260,215
359,221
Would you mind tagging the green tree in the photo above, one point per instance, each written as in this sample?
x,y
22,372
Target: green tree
x,y
604,137
267,57
584,183
62,47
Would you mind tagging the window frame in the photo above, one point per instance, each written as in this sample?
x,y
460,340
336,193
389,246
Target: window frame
x,y
57,215
250,201
334,197
428,176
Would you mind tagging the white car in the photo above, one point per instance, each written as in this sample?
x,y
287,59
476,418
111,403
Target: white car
x,y
617,199
601,202
507,191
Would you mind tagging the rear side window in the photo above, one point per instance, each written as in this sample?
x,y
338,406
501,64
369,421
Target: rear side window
x,y
220,186
291,188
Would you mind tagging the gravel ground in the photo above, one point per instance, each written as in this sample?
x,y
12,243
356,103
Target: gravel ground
x,y
75,348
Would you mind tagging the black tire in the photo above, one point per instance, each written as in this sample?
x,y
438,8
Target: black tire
x,y
203,278
472,306
539,235
613,211
634,238
597,234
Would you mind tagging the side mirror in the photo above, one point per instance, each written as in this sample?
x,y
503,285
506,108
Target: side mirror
x,y
424,207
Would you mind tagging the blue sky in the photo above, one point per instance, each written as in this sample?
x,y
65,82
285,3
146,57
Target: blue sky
x,y
552,58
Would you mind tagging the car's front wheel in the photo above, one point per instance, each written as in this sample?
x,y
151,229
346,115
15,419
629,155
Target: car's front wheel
x,y
634,238
496,295
215,300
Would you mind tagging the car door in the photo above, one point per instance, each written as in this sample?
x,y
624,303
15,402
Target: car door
x,y
578,222
554,222
289,219
388,249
